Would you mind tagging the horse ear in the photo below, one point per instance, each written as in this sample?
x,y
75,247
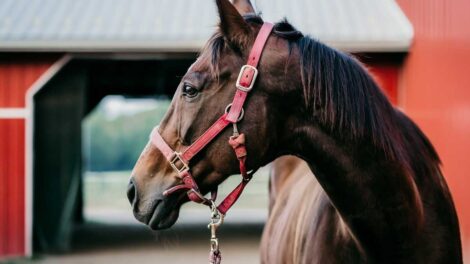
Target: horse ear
x,y
244,7
232,24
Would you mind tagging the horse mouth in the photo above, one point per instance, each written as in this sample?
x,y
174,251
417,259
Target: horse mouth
x,y
164,213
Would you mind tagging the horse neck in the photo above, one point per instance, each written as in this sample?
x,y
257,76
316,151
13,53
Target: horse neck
x,y
375,195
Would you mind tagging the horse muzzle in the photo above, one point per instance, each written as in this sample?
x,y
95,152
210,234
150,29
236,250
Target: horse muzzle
x,y
158,212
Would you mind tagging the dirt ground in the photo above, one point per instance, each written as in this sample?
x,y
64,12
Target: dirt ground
x,y
132,243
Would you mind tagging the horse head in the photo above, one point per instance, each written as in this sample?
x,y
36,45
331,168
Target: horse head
x,y
203,95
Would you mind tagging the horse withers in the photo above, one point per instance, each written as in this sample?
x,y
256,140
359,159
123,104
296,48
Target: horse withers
x,y
383,189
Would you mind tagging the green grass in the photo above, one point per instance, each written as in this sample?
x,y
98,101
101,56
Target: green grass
x,y
106,190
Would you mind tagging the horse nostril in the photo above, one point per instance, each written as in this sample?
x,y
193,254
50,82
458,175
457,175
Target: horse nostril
x,y
131,192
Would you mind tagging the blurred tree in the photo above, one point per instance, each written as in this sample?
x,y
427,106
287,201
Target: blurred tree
x,y
112,144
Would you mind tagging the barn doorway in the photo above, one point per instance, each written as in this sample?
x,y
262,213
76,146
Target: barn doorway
x,y
60,106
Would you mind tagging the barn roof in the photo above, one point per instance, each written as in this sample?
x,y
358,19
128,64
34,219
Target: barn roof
x,y
184,25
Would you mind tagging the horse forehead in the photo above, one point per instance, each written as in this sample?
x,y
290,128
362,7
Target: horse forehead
x,y
201,64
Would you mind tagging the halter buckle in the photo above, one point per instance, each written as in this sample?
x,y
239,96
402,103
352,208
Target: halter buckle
x,y
177,157
249,72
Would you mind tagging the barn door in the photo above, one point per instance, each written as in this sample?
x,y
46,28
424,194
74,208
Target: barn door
x,y
58,111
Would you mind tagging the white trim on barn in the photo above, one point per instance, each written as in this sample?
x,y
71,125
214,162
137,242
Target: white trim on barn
x,y
13,113
163,47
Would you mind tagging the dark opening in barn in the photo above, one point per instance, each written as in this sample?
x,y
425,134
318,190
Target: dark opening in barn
x,y
59,108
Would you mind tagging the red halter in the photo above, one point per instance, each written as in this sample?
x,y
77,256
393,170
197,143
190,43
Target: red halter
x,y
179,161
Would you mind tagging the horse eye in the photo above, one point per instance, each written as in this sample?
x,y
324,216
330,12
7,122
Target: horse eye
x,y
189,91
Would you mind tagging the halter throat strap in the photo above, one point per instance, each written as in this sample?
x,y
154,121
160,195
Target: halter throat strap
x,y
180,161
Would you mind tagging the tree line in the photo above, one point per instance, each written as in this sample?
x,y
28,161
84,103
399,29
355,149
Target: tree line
x,y
112,144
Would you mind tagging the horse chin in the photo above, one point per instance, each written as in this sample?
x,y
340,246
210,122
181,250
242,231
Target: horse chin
x,y
163,220
164,215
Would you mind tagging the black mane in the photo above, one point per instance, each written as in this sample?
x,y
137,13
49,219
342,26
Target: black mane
x,y
340,94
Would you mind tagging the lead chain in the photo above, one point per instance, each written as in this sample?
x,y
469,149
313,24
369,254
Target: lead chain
x,y
215,257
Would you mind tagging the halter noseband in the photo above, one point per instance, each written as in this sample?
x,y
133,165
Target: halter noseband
x,y
179,161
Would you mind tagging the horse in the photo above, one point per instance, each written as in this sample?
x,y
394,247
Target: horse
x,y
384,198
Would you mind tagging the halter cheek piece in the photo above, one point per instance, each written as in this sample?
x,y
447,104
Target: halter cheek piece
x,y
234,113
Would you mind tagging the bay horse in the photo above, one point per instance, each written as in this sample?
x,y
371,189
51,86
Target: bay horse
x,y
383,199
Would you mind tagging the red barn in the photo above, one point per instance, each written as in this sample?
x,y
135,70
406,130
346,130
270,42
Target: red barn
x,y
58,59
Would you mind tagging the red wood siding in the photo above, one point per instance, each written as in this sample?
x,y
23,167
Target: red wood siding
x,y
15,79
386,75
12,182
435,90
17,74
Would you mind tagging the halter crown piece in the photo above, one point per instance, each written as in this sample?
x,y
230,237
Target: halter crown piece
x,y
234,112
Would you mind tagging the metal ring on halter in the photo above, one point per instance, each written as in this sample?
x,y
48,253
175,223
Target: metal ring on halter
x,y
198,194
242,113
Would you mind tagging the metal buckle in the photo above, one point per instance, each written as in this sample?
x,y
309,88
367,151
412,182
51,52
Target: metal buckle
x,y
174,159
240,76
242,112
